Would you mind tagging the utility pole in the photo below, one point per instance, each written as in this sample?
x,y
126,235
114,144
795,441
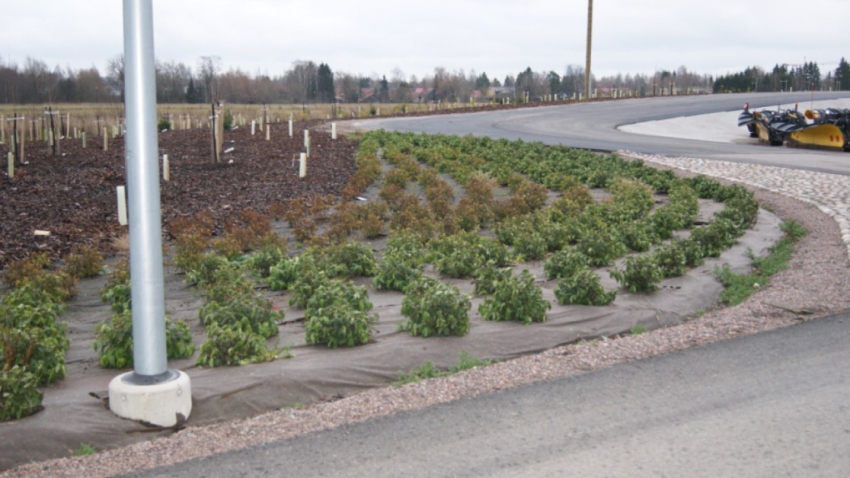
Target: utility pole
x,y
589,37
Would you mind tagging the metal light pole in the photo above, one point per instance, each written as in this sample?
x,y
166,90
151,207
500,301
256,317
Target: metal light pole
x,y
151,392
589,37
143,187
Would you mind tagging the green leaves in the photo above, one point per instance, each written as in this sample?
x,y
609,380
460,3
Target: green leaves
x,y
19,395
516,298
114,341
435,308
640,274
583,288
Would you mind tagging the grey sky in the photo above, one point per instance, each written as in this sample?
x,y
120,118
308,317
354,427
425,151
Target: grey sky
x,y
493,36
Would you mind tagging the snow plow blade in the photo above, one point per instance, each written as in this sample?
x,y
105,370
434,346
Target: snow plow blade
x,y
825,136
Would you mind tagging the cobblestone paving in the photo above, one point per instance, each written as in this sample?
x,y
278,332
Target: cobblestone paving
x,y
829,192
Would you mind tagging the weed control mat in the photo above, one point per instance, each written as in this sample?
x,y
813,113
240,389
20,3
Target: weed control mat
x,y
71,416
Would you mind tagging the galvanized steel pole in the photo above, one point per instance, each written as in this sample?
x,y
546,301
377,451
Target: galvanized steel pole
x,y
589,37
141,154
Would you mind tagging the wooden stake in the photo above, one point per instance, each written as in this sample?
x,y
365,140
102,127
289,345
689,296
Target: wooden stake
x,y
166,169
268,132
333,130
302,170
307,141
290,125
84,140
105,140
252,127
11,166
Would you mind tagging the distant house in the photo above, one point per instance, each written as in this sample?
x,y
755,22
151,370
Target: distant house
x,y
422,95
497,92
368,95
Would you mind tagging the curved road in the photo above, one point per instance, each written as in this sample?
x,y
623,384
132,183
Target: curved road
x,y
594,126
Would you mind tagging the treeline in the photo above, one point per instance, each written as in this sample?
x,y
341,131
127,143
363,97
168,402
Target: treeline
x,y
784,78
308,82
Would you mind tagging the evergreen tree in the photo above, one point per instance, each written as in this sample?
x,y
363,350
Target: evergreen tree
x,y
325,84
384,92
482,82
842,75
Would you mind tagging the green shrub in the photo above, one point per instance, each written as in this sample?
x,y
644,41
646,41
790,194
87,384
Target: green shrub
x,y
84,262
530,245
30,335
600,247
349,259
639,236
284,275
260,263
455,257
114,341
516,298
715,237
395,274
705,187
671,258
489,249
19,395
39,350
565,263
435,308
488,276
249,313
228,283
583,288
119,296
338,325
306,285
337,292
163,124
639,274
225,346
207,269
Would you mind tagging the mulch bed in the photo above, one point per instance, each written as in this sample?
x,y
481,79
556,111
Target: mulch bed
x,y
73,195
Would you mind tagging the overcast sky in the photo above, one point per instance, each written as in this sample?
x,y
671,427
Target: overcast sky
x,y
493,36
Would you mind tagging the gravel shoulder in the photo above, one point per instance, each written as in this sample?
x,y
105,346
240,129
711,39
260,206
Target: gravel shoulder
x,y
817,281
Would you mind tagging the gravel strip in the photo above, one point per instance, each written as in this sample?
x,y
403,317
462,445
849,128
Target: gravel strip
x,y
817,281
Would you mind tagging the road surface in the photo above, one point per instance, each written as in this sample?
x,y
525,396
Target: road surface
x,y
769,405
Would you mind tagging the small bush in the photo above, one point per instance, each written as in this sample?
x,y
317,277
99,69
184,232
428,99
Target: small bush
x,y
516,298
19,395
435,308
671,258
305,285
395,274
640,274
565,263
337,325
350,259
84,262
583,288
488,276
531,245
227,347
163,124
337,292
286,273
260,263
114,341
601,248
249,313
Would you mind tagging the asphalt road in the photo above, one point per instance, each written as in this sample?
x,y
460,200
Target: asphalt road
x,y
594,126
767,405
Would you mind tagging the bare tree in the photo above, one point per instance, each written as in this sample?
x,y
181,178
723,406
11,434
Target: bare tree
x,y
208,70
115,70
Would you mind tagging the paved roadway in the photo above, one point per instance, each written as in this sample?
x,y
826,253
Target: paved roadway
x,y
594,126
767,405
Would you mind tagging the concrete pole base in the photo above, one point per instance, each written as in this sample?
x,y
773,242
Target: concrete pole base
x,y
155,400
